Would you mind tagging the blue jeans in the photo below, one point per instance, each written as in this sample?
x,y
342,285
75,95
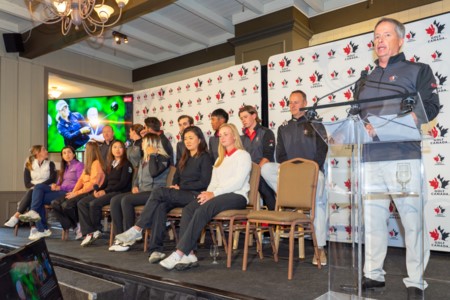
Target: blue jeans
x,y
42,195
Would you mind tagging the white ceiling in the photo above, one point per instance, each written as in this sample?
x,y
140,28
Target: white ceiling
x,y
181,28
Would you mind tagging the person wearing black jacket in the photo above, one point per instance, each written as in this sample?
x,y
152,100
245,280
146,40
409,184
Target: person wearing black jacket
x,y
297,138
153,125
192,176
393,76
259,141
119,173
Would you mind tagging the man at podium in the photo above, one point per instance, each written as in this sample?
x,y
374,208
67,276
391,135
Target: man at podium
x,y
392,169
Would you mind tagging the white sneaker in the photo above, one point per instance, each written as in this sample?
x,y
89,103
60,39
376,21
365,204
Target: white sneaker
x,y
187,262
40,234
33,231
12,222
117,247
78,234
170,262
87,240
156,257
30,216
97,234
129,237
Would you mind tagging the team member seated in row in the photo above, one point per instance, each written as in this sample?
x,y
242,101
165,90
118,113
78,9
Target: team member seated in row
x,y
65,207
228,189
70,170
119,173
152,173
38,169
192,176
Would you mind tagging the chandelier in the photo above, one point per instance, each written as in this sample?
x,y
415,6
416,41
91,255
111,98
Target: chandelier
x,y
77,13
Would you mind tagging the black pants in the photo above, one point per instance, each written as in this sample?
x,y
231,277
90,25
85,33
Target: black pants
x,y
195,217
267,194
66,210
154,216
25,202
122,209
90,212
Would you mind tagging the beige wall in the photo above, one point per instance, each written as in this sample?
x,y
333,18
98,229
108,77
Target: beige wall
x,y
23,103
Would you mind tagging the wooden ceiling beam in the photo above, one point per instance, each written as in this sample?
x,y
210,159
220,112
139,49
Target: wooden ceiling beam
x,y
47,38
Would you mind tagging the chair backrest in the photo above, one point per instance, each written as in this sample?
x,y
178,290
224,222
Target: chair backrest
x,y
297,183
170,175
253,195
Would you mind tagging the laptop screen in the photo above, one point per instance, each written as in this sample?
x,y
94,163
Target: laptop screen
x,y
28,273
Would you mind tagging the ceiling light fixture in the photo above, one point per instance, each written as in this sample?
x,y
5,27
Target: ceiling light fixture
x,y
119,38
54,92
77,13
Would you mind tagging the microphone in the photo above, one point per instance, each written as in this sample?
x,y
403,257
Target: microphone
x,y
311,113
355,109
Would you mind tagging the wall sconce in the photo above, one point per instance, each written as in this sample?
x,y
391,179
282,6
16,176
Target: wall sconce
x,y
119,38
54,92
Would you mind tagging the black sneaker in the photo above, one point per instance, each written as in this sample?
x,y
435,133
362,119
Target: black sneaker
x,y
414,293
372,285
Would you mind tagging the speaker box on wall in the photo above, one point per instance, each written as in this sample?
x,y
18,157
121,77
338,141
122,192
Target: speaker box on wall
x,y
13,42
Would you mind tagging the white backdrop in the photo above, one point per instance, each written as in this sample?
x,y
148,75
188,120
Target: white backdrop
x,y
228,89
322,69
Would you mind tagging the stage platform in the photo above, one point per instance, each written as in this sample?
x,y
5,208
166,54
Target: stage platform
x,y
264,279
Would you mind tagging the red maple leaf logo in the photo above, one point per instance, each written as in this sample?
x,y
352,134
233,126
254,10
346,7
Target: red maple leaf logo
x,y
434,132
282,103
434,55
431,30
408,36
347,49
434,183
312,78
437,210
348,184
281,63
197,118
348,229
436,158
348,94
196,84
218,96
434,234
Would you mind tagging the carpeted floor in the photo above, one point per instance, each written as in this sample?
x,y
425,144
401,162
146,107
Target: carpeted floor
x,y
264,279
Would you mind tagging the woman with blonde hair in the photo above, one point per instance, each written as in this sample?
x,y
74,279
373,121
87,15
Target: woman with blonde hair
x,y
38,170
152,173
227,190
70,170
65,207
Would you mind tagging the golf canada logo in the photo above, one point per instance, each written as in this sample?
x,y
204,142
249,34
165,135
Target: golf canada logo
x,y
439,211
198,118
410,36
284,104
242,72
393,234
435,31
331,54
439,186
439,160
284,64
350,50
436,56
439,132
334,163
315,79
439,237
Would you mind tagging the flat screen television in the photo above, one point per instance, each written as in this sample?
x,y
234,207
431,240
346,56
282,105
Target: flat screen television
x,y
28,273
75,121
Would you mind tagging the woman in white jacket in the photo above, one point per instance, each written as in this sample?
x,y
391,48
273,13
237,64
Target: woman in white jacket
x,y
227,190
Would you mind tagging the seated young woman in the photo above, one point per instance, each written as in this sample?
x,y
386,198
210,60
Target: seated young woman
x,y
192,176
70,170
152,173
65,207
227,190
38,170
119,173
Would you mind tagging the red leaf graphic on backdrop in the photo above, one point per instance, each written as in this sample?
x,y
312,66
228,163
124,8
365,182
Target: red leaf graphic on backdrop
x,y
434,183
434,234
430,30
